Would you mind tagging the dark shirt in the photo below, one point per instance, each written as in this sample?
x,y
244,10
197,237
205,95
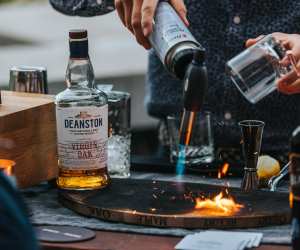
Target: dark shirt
x,y
16,232
222,27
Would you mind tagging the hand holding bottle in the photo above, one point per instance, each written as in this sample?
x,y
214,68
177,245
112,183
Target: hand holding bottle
x,y
289,83
137,16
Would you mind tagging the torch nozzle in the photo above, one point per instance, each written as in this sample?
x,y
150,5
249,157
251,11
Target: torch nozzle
x,y
186,127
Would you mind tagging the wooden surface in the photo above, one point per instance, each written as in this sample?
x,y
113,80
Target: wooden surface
x,y
170,204
125,241
28,136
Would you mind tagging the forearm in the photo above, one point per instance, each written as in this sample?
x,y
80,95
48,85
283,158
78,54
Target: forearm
x,y
83,7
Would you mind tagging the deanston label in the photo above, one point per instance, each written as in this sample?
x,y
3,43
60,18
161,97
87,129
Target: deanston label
x,y
93,123
82,137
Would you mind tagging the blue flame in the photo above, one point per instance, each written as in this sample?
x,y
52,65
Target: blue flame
x,y
180,166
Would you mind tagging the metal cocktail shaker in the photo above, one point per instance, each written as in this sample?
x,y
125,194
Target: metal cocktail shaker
x,y
28,79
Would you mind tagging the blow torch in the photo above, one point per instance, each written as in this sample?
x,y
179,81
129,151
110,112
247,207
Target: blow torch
x,y
183,57
195,85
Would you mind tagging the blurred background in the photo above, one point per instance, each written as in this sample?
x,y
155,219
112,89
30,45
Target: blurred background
x,y
34,34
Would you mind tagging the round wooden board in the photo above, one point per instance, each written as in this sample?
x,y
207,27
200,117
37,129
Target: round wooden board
x,y
165,204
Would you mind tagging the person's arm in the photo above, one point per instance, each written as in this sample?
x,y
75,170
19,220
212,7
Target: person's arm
x,y
83,7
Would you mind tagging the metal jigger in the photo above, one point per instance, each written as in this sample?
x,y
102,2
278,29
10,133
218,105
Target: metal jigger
x,y
29,79
251,140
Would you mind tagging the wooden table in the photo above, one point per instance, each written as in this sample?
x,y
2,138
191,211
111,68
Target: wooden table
x,y
124,241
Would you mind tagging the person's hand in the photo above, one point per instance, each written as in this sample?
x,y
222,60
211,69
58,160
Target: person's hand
x,y
137,16
289,83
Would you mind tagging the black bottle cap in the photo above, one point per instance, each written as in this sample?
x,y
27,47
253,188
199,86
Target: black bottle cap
x,y
78,34
295,141
79,48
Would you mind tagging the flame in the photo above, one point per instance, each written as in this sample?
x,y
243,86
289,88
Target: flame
x,y
6,166
7,170
223,171
291,199
222,204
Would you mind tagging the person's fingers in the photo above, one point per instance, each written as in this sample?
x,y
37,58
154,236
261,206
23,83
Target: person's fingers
x,y
294,88
252,41
288,79
282,37
148,11
127,5
281,87
136,23
120,10
285,61
180,8
289,89
292,55
294,61
288,41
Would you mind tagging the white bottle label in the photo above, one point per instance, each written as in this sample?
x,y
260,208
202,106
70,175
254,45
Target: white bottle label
x,y
168,30
82,134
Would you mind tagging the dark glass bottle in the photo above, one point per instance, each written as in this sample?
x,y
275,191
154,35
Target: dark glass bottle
x,y
295,187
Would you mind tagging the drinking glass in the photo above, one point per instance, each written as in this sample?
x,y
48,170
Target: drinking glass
x,y
201,147
30,79
255,71
120,135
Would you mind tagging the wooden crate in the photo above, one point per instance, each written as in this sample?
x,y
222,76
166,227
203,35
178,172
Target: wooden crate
x,y
28,136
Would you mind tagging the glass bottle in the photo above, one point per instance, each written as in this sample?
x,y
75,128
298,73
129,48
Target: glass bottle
x,y
82,123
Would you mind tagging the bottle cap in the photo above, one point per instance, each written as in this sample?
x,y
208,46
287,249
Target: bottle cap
x,y
78,34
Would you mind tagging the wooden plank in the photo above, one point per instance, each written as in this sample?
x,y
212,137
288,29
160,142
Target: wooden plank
x,y
13,102
170,204
28,136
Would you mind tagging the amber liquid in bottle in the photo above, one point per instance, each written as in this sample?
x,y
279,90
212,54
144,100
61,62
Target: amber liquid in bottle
x,y
82,179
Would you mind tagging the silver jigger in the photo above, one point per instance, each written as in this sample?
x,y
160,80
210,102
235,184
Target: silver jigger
x,y
252,131
28,79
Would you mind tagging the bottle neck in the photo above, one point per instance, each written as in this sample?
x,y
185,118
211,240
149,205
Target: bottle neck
x,y
79,48
80,73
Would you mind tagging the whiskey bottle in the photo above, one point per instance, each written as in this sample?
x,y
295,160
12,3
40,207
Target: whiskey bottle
x,y
82,123
295,187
